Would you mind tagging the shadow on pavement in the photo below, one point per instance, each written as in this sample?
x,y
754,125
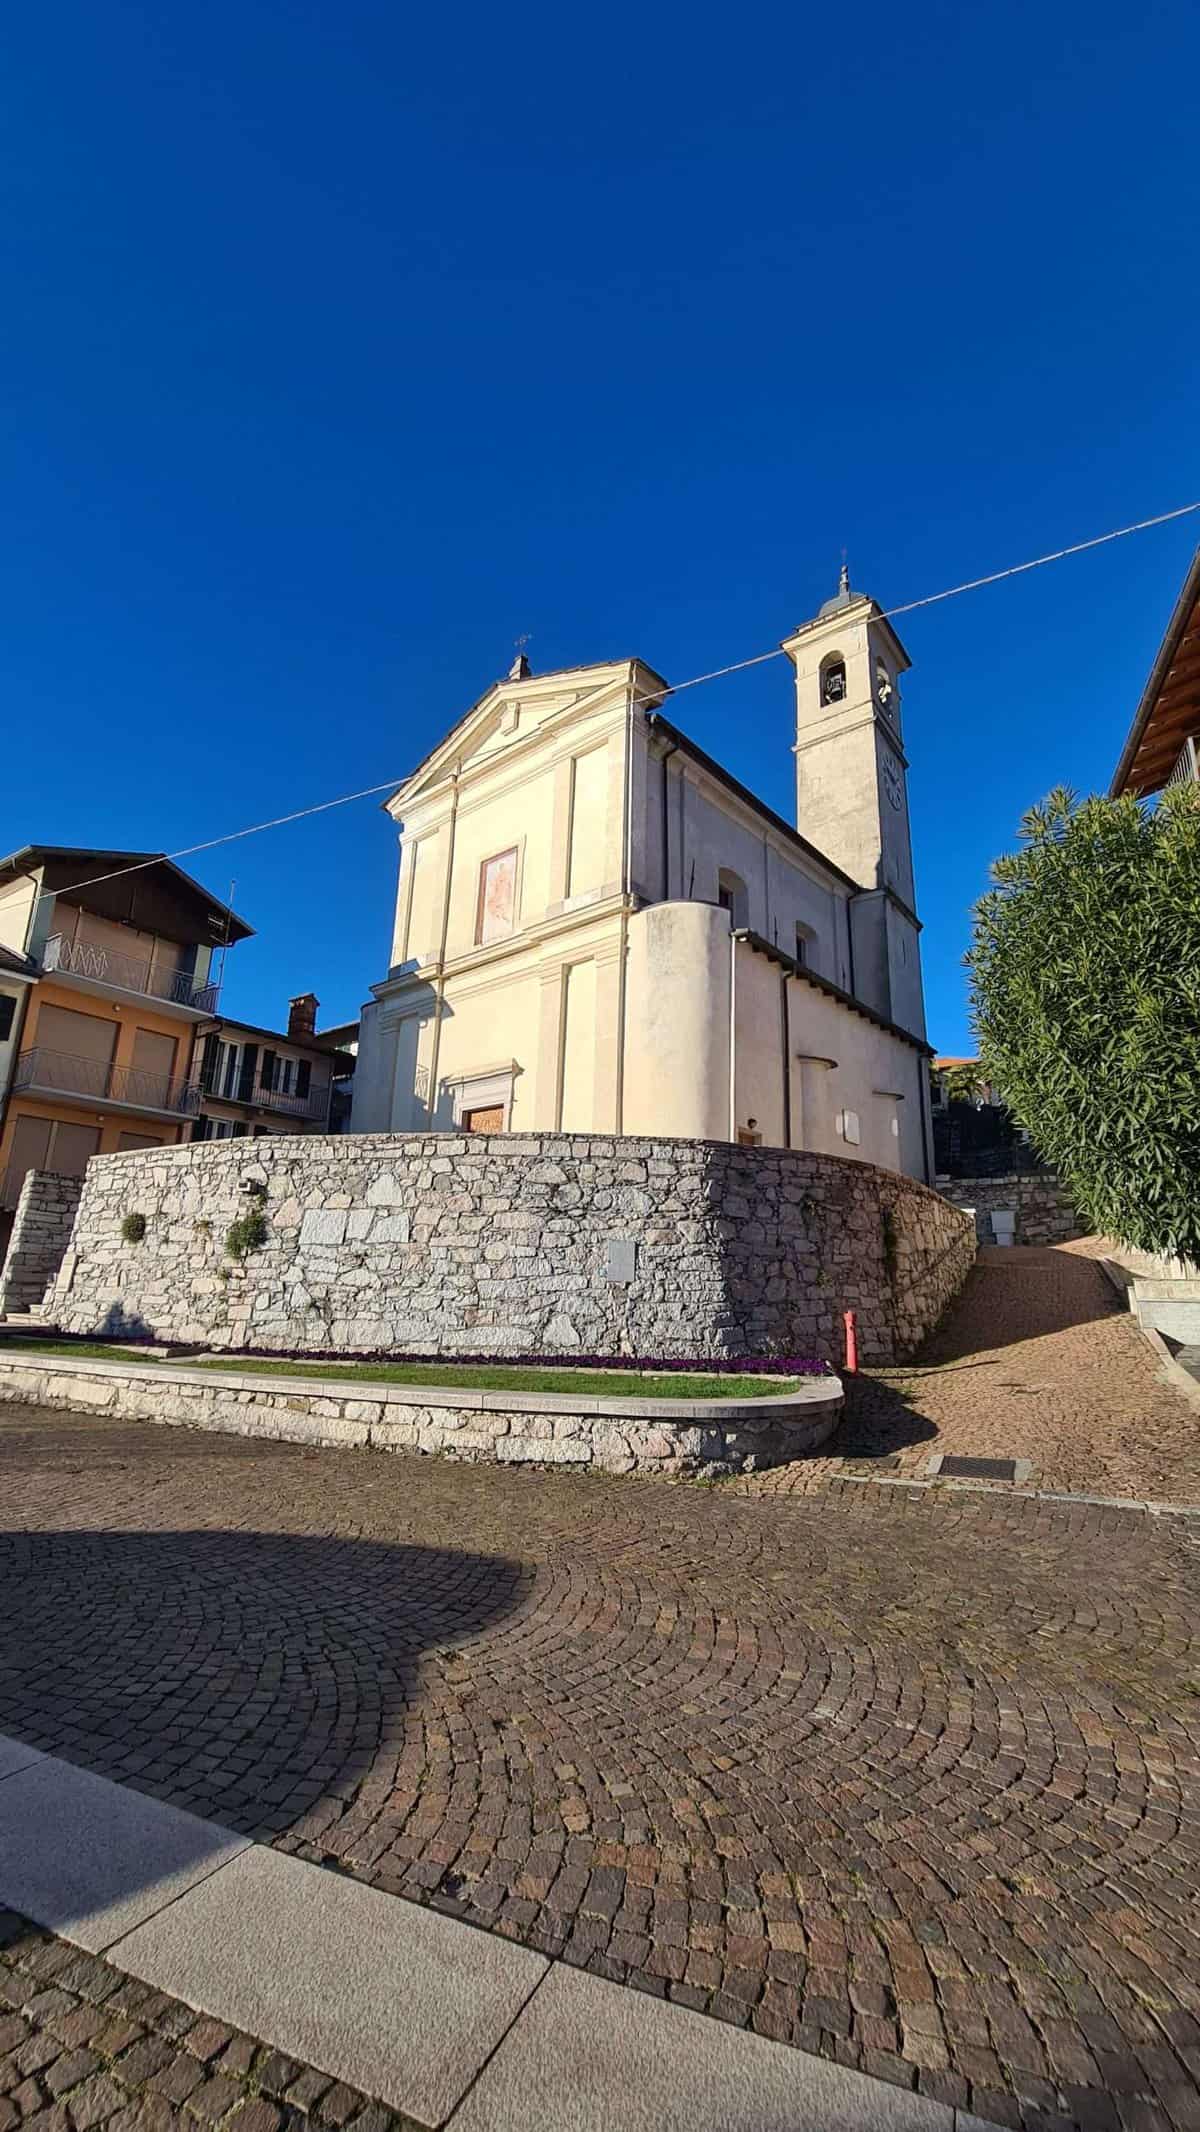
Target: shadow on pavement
x,y
245,1676
879,1420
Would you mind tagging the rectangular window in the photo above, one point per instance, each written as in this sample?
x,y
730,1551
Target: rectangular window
x,y
8,1009
496,909
801,944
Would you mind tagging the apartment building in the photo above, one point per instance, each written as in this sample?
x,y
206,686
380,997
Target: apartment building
x,y
250,1081
110,961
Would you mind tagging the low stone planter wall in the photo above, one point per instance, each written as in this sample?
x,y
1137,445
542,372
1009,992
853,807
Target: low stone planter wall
x,y
693,1438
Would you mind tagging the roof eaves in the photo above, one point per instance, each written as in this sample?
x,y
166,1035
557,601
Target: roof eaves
x,y
749,799
555,673
31,855
1180,615
762,946
277,1036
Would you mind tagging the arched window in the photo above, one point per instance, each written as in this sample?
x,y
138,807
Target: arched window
x,y
833,678
732,897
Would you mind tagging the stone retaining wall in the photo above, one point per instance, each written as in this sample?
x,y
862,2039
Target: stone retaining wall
x,y
41,1231
483,1244
1043,1211
675,1439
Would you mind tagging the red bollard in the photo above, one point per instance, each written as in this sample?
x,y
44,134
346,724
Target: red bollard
x,y
851,1343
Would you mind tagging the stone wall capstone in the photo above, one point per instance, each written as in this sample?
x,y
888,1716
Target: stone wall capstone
x,y
1044,1214
41,1231
508,1244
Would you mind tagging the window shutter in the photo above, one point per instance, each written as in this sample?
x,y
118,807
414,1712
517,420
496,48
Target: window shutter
x,y
303,1077
8,1008
209,1054
270,1069
249,1062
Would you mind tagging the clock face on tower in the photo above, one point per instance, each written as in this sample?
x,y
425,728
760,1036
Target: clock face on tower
x,y
893,784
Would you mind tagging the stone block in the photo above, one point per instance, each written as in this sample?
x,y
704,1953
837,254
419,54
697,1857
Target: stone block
x,y
323,1225
517,1450
388,1189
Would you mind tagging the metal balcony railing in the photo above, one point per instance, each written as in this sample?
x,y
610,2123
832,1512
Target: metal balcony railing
x,y
313,1105
107,966
1187,768
61,1073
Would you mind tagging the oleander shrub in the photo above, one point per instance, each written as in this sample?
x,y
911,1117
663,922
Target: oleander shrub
x,y
1085,978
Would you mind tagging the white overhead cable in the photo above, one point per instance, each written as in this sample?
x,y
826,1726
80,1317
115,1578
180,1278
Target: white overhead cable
x,y
931,599
718,673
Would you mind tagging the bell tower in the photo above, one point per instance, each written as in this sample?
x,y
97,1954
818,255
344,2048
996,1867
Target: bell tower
x,y
852,789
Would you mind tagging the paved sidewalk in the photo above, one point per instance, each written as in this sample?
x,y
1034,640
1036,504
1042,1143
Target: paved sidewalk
x,y
86,2048
908,1780
1038,1360
457,2027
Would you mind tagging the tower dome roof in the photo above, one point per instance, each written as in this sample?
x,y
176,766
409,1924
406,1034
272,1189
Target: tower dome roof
x,y
843,597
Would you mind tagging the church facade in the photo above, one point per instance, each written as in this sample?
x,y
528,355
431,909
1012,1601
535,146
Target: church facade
x,y
598,929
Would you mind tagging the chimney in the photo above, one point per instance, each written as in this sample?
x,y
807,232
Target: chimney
x,y
302,1015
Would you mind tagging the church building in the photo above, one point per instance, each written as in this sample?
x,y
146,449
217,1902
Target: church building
x,y
600,930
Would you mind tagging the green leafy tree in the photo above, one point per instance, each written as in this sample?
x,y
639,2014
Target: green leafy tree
x,y
1085,973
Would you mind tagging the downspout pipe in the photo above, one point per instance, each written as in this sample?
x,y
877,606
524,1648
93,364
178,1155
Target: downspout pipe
x,y
786,1025
733,948
672,748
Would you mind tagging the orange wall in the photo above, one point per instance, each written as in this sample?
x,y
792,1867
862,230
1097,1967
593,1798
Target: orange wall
x,y
129,1018
111,1123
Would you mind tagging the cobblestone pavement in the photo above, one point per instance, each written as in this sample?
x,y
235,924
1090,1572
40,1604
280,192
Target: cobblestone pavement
x,y
1037,1360
84,2048
909,1778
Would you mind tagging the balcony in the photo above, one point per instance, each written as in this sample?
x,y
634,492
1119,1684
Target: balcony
x,y
59,1073
257,1097
107,966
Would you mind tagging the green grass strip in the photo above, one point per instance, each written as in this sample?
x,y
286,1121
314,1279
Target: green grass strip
x,y
480,1377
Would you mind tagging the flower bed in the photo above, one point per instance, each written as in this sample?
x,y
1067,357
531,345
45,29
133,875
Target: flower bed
x,y
638,1379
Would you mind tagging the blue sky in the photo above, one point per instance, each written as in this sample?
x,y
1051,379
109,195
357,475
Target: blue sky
x,y
344,343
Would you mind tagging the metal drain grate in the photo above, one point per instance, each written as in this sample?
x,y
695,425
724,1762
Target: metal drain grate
x,y
982,1469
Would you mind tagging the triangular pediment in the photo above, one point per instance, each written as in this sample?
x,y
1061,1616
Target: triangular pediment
x,y
507,715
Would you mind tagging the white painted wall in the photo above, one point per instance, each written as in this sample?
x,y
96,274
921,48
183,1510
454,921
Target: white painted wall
x,y
855,1089
17,899
677,1026
10,1045
710,831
